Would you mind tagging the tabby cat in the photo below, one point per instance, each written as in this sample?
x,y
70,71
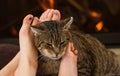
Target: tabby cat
x,y
51,37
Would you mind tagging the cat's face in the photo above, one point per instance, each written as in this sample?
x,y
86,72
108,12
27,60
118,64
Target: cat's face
x,y
51,38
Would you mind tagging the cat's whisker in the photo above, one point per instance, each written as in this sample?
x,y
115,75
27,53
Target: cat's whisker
x,y
93,58
39,57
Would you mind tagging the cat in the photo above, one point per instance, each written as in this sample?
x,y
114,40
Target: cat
x,y
52,37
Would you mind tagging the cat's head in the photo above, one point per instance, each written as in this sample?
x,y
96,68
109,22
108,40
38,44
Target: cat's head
x,y
52,37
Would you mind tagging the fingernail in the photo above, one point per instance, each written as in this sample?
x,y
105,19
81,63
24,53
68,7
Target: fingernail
x,y
76,52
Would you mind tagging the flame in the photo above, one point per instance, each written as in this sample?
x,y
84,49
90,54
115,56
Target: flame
x,y
46,4
95,14
99,26
51,3
14,31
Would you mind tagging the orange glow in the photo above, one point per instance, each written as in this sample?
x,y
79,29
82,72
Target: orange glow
x,y
99,26
46,4
14,31
95,14
51,3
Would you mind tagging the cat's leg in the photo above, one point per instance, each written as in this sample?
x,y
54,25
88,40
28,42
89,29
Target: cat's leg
x,y
68,65
116,51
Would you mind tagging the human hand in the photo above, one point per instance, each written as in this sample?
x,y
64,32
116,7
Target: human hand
x,y
68,65
71,53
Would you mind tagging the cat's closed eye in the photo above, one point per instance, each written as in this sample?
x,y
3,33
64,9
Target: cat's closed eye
x,y
49,44
62,42
68,39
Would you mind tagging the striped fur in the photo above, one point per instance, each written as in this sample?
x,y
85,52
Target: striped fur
x,y
93,58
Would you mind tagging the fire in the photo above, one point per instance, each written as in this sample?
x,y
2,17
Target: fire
x,y
51,3
14,31
95,14
46,4
99,26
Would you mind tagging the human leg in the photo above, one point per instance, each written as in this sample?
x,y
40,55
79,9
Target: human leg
x,y
10,68
26,38
7,53
29,55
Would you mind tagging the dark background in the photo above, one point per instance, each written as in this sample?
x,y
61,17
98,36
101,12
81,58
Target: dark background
x,y
106,11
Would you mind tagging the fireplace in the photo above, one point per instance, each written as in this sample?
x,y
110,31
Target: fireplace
x,y
100,18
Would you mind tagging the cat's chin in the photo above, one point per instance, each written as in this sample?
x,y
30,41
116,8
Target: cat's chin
x,y
55,58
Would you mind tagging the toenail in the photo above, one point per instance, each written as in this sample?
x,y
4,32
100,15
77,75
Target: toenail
x,y
56,14
30,18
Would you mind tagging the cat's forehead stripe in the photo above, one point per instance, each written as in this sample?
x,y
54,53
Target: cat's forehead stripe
x,y
53,27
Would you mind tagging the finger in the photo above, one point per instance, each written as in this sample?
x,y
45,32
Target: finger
x,y
35,21
72,47
68,47
56,15
27,21
75,52
44,15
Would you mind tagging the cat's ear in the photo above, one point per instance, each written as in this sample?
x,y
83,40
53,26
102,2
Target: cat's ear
x,y
37,29
67,23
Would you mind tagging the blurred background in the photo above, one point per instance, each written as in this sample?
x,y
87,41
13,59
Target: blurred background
x,y
100,18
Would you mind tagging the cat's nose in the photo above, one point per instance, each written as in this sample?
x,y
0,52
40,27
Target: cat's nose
x,y
56,54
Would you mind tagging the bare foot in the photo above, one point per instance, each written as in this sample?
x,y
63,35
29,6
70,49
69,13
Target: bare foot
x,y
26,35
50,14
28,52
27,57
68,66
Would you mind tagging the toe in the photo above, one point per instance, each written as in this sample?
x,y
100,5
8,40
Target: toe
x,y
28,19
35,21
50,15
44,15
26,24
56,15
